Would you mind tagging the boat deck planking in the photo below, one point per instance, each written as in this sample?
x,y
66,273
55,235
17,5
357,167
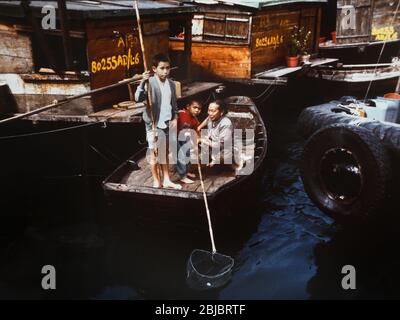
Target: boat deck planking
x,y
212,178
139,180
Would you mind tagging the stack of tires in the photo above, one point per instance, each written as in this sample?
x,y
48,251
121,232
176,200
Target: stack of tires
x,y
347,165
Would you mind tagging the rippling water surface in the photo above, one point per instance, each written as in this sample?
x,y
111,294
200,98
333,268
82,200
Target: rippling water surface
x,y
286,248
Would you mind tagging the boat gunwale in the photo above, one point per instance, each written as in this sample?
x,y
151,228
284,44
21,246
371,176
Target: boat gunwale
x,y
124,168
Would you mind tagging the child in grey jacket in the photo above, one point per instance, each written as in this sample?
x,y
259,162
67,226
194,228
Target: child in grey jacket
x,y
161,120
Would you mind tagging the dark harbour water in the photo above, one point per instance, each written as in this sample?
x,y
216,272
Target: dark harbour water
x,y
285,249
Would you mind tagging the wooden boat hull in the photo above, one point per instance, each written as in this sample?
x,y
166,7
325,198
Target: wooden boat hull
x,y
355,79
164,205
361,52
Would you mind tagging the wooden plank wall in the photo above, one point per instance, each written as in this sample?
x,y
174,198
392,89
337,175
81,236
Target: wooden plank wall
x,y
114,54
215,60
33,91
311,21
271,30
385,26
15,51
363,18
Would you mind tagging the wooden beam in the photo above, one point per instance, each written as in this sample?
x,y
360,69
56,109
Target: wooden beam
x,y
62,10
25,4
188,46
317,29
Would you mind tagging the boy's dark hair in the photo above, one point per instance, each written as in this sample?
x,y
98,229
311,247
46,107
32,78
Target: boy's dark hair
x,y
221,106
193,102
160,57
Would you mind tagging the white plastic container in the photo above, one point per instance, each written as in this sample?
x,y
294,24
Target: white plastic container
x,y
383,109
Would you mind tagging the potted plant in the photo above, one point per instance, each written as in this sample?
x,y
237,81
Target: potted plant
x,y
304,37
293,46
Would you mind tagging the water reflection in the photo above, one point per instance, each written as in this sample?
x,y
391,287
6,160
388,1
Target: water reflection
x,y
285,249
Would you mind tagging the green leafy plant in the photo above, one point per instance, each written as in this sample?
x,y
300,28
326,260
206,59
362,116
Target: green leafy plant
x,y
304,37
298,42
293,45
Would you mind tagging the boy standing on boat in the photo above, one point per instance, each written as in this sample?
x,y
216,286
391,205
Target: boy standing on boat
x,y
160,119
187,138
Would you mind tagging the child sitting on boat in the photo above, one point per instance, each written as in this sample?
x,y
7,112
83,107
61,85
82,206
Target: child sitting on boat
x,y
187,138
160,117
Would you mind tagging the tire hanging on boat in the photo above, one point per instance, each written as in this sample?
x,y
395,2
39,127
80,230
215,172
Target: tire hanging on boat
x,y
314,118
346,171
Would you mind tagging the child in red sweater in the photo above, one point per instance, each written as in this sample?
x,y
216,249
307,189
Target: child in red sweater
x,y
187,136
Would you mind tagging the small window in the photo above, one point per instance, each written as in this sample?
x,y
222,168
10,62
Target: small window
x,y
225,27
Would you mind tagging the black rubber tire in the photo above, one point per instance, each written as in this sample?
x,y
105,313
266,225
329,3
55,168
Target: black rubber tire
x,y
374,164
314,118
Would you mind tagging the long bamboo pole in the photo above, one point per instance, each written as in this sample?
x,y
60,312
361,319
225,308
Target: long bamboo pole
x,y
149,100
146,67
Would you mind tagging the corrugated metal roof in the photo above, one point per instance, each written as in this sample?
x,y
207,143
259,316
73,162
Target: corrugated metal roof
x,y
101,8
256,4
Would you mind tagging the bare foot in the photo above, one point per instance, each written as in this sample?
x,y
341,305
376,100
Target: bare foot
x,y
170,184
239,167
156,184
187,180
191,175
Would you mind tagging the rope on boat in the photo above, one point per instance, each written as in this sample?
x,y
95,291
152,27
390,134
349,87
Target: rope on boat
x,y
264,92
52,131
269,94
383,48
101,154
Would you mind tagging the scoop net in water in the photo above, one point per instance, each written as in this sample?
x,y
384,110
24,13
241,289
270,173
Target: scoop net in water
x,y
208,270
205,269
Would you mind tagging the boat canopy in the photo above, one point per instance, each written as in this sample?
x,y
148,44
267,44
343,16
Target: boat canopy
x,y
82,9
257,4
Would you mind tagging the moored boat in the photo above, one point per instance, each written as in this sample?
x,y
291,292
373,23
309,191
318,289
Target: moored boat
x,y
130,185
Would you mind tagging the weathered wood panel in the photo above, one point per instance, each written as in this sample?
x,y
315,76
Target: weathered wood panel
x,y
218,60
385,25
15,51
214,25
309,20
271,30
270,33
31,95
353,20
219,26
237,27
114,54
